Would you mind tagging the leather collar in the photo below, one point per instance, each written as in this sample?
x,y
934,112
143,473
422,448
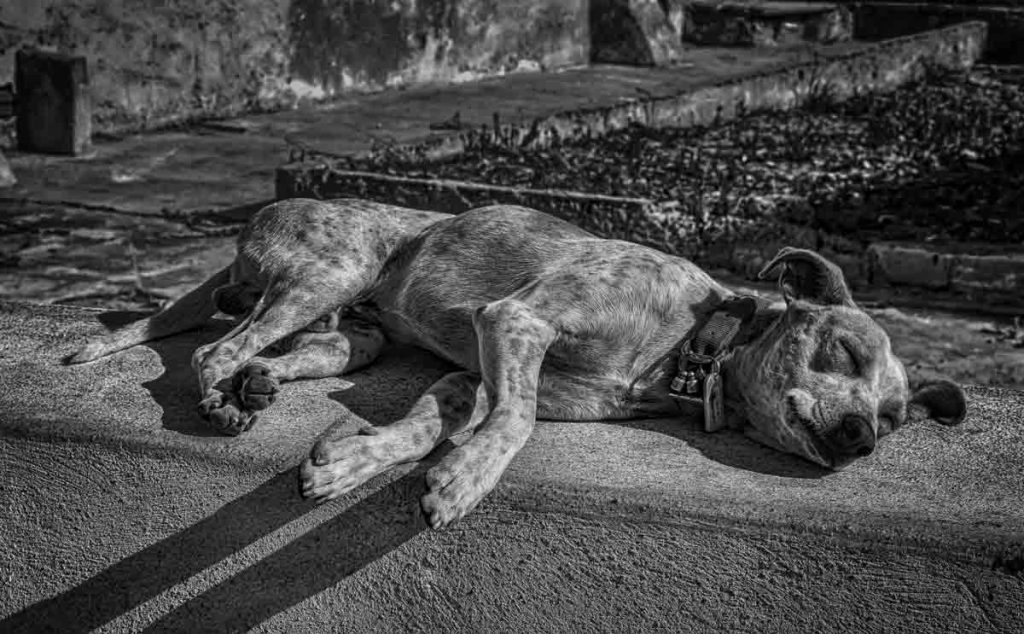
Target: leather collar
x,y
698,380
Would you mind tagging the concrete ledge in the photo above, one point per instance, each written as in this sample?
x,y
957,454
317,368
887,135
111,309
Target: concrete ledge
x,y
841,70
123,514
880,20
609,216
959,268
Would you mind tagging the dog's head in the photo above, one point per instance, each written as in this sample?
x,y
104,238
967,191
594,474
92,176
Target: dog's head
x,y
821,380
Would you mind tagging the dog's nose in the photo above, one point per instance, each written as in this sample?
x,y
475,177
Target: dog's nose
x,y
858,438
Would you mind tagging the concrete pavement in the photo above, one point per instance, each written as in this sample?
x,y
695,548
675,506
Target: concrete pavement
x,y
123,514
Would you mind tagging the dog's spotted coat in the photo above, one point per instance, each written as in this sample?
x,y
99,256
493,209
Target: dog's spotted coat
x,y
546,320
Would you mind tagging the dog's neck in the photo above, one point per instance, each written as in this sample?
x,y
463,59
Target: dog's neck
x,y
649,393
766,316
751,330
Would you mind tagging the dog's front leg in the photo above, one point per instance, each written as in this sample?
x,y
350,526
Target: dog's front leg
x,y
340,461
512,344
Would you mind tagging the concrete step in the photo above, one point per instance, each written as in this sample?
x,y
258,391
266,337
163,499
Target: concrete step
x,y
766,23
123,513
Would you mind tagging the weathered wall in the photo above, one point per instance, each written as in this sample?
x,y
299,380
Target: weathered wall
x,y
160,61
641,32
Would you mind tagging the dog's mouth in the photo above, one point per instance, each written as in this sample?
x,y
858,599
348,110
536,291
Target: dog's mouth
x,y
813,431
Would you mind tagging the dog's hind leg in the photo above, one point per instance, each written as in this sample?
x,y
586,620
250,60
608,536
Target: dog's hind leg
x,y
340,461
347,346
190,311
512,343
287,306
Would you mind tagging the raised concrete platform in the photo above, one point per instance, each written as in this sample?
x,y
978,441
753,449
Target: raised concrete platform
x,y
122,514
228,163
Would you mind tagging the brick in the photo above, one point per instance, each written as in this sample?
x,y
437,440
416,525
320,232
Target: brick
x,y
1001,272
54,114
909,266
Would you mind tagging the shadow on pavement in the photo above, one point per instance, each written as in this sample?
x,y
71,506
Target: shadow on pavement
x,y
318,559
731,448
175,391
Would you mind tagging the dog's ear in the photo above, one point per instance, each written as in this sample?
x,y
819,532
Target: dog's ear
x,y
808,276
941,400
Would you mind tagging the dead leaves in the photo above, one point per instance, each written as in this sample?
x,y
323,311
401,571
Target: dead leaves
x,y
936,160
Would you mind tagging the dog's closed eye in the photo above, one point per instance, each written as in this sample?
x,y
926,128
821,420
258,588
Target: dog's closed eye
x,y
836,356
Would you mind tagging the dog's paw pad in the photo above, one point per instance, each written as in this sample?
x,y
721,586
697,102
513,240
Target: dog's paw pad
x,y
231,421
256,386
209,404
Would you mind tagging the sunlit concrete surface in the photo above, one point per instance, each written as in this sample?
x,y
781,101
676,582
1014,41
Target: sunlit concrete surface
x,y
121,513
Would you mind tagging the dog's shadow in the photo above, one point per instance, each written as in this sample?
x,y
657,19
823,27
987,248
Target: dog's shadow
x,y
175,391
730,448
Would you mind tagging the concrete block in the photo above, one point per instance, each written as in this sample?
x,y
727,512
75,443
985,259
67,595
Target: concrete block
x,y
54,113
639,32
911,266
997,272
767,23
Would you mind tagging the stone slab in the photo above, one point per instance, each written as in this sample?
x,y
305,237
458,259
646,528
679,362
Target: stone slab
x,y
123,515
970,270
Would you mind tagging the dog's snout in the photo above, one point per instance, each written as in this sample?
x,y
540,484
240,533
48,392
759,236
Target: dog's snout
x,y
857,435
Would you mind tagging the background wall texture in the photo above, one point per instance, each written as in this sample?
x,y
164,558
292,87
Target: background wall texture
x,y
160,61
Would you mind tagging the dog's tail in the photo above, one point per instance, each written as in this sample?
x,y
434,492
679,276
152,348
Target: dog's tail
x,y
190,311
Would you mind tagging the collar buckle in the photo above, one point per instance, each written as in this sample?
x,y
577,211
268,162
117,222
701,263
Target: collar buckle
x,y
699,383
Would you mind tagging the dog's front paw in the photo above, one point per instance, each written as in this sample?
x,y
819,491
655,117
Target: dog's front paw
x,y
224,416
336,466
255,386
457,484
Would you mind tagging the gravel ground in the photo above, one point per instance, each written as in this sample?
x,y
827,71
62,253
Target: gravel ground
x,y
941,159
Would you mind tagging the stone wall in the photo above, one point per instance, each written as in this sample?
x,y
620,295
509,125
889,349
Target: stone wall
x,y
152,63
